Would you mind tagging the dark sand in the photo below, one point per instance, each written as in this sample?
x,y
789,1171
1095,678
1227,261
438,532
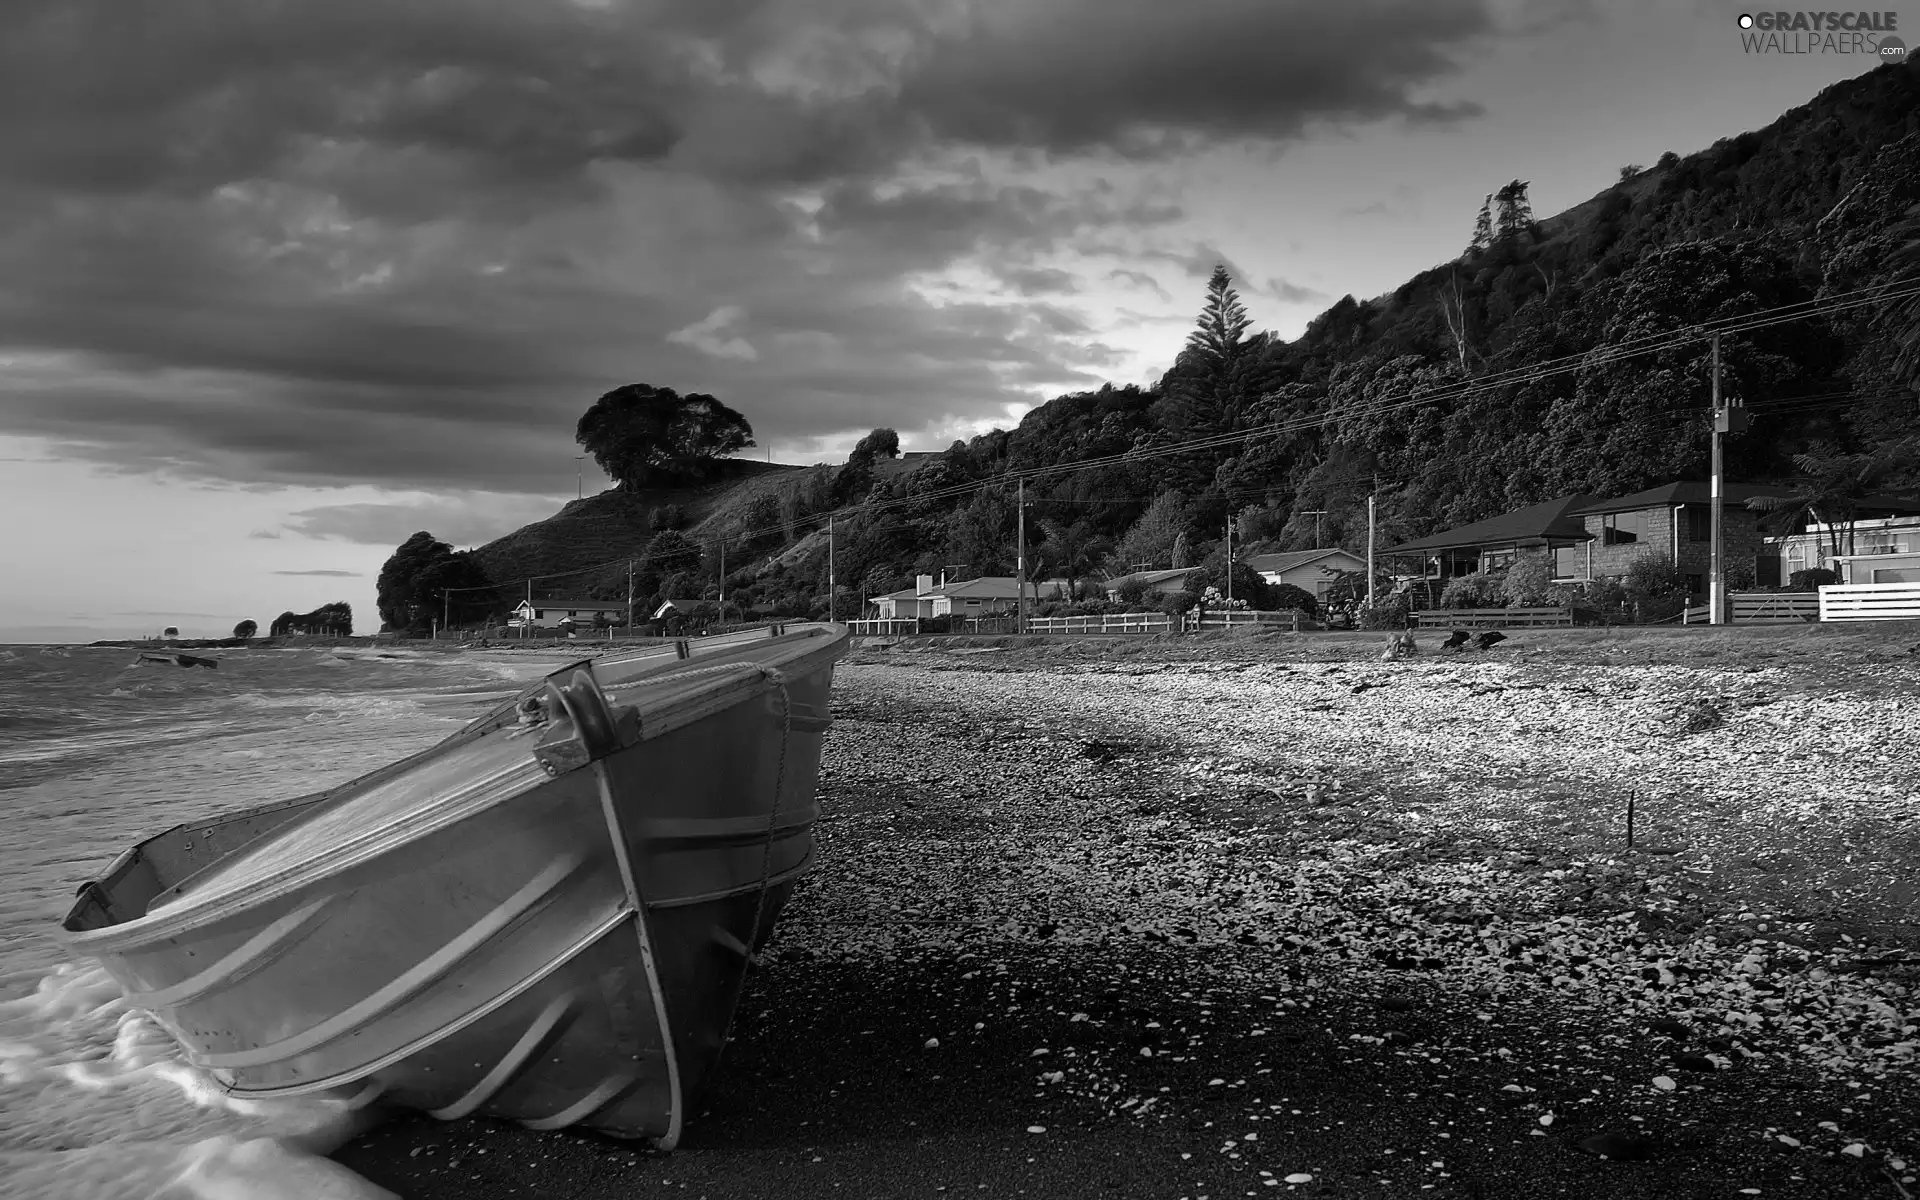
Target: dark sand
x,y
829,1087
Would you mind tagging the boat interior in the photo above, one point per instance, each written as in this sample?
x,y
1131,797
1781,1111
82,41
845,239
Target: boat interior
x,y
157,868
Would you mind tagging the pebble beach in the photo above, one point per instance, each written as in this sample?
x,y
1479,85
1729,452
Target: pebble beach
x,y
1264,914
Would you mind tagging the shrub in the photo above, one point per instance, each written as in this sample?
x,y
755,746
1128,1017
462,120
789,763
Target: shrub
x,y
1390,613
1133,592
1284,596
667,516
1529,581
1811,579
1482,589
1654,577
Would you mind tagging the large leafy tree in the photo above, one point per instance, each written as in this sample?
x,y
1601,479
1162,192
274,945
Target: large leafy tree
x,y
333,620
425,578
645,436
246,629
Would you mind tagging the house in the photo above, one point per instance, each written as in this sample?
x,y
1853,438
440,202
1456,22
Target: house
x,y
1158,583
1676,520
985,596
1548,527
578,612
1309,570
1876,550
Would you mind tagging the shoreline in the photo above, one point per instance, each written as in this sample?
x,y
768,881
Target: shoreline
x,y
1095,850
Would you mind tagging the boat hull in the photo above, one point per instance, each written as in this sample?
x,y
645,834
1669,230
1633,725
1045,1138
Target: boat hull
x,y
570,953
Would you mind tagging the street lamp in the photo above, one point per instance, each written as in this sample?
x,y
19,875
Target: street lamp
x,y
579,487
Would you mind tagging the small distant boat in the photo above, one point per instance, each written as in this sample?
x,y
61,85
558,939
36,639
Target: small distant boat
x,y
547,917
149,658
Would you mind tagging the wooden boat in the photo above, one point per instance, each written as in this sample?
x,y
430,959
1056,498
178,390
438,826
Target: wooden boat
x,y
546,917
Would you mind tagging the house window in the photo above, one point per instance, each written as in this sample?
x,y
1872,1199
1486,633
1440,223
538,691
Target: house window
x,y
1569,562
1621,529
1699,523
1496,560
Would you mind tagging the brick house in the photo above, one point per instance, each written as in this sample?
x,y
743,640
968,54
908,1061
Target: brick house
x,y
1674,520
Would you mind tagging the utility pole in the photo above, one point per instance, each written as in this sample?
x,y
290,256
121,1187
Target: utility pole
x,y
1020,583
446,608
723,579
579,487
1370,527
1726,419
1716,579
629,597
1229,570
1316,514
832,591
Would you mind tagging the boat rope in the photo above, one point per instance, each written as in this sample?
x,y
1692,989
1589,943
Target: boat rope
x,y
778,679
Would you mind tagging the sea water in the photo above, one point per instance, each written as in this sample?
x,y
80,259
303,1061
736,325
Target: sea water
x,y
97,752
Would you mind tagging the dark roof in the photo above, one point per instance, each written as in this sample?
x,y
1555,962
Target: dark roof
x,y
1551,519
1687,491
1287,560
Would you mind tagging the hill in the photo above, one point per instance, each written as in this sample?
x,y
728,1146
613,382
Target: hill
x,y
614,525
1432,398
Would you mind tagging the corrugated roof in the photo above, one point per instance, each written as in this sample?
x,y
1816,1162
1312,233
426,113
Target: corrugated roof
x,y
1287,560
1537,523
987,587
1149,577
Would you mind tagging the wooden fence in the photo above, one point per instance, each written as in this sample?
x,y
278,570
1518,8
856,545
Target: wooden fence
x,y
1870,602
1504,618
884,626
1759,608
1147,622
1228,618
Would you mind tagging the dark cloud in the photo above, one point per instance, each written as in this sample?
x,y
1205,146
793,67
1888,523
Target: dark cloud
x,y
328,574
407,242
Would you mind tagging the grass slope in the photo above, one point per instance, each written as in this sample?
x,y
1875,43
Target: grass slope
x,y
607,527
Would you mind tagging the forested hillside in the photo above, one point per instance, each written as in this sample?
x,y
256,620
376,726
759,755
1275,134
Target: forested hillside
x,y
1482,385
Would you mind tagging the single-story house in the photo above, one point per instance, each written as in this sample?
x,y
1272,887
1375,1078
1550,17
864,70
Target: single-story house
x,y
1157,583
1309,570
985,596
1547,527
579,612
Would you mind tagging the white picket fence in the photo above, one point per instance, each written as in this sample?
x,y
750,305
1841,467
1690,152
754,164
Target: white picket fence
x,y
1870,602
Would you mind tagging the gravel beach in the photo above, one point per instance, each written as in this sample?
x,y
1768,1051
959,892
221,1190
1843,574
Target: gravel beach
x,y
1256,915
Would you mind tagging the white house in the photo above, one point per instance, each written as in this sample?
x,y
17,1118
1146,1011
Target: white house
x,y
985,596
1157,583
578,612
1881,550
1308,570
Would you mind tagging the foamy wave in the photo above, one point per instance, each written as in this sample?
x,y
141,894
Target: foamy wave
x,y
101,1104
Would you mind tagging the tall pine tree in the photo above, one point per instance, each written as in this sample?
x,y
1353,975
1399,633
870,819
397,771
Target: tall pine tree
x,y
1515,211
1223,323
1483,227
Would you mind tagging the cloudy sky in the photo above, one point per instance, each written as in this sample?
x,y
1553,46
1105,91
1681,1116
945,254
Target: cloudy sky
x,y
282,282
